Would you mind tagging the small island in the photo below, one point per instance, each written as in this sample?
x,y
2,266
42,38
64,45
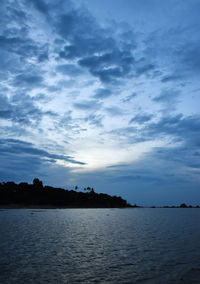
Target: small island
x,y
24,195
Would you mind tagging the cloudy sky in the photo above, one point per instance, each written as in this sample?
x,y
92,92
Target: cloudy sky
x,y
103,94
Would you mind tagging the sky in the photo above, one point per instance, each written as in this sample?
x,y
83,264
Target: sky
x,y
103,94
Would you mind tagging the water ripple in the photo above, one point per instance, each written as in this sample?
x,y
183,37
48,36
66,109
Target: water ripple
x,y
99,246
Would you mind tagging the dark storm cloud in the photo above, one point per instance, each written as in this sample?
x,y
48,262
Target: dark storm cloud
x,y
182,128
168,98
4,104
69,124
19,168
95,120
87,105
190,56
106,54
83,33
180,154
40,5
40,97
22,110
69,69
53,88
143,66
183,133
140,177
109,66
14,146
177,47
23,166
13,13
141,118
169,78
102,93
180,161
194,165
15,36
28,80
5,114
24,47
20,53
179,128
114,111
8,63
95,48
129,98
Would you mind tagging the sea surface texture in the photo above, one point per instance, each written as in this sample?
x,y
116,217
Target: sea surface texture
x,y
100,246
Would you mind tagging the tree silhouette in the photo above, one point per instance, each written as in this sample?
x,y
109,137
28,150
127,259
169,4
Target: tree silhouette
x,y
37,184
183,205
35,194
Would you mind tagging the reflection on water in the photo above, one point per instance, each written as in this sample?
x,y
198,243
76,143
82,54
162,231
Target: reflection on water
x,y
100,246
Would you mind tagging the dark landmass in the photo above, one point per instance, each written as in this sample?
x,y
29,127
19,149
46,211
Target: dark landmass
x,y
183,205
24,195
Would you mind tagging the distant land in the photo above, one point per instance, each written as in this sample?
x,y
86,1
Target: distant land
x,y
24,195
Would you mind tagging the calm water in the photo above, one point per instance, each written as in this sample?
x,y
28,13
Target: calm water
x,y
100,246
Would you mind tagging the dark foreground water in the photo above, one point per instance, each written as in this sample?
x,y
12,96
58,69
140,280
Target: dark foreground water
x,y
100,246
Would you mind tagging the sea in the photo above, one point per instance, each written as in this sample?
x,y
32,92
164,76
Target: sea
x,y
133,245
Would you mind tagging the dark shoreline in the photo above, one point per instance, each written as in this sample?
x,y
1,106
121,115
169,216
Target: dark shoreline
x,y
17,206
24,195
37,196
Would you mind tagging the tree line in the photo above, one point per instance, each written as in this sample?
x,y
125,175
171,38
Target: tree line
x,y
36,194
